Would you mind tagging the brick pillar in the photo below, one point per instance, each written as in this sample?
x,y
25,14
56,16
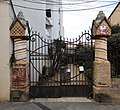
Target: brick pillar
x,y
101,71
101,30
19,72
102,75
19,69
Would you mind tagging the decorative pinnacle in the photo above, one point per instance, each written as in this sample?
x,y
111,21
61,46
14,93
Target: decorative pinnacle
x,y
100,17
21,18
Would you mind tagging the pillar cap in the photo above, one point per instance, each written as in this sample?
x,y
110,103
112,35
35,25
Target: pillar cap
x,y
101,26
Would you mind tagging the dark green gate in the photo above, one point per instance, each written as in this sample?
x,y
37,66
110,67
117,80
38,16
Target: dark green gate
x,y
60,67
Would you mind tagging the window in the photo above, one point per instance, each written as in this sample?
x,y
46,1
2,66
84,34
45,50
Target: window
x,y
48,12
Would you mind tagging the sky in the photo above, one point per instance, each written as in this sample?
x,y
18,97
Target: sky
x,y
78,14
76,22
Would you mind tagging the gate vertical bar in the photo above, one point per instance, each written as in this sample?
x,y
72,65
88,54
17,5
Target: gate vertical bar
x,y
92,48
33,59
60,68
36,59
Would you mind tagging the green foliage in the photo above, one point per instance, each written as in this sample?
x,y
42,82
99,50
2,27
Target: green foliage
x,y
88,74
84,56
55,48
50,71
58,53
114,40
114,49
115,29
55,51
83,50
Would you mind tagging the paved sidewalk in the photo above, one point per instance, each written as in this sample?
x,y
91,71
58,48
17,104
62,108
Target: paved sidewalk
x,y
78,106
19,106
64,99
58,106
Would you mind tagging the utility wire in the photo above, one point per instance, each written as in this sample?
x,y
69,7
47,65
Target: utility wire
x,y
66,6
64,1
59,3
84,9
73,1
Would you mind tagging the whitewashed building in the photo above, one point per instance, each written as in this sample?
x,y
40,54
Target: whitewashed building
x,y
45,17
7,15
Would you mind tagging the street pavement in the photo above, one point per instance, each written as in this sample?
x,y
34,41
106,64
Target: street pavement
x,y
58,106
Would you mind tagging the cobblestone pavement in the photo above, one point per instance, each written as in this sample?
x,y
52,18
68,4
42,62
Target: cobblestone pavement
x,y
58,106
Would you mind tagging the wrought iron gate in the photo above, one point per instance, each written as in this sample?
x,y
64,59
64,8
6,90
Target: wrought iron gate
x,y
60,67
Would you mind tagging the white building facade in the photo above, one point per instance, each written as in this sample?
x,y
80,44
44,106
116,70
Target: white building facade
x,y
7,15
45,17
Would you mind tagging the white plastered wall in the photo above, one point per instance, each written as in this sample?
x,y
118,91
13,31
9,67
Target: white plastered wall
x,y
4,52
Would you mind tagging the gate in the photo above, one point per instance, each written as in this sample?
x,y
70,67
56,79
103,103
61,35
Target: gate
x,y
60,67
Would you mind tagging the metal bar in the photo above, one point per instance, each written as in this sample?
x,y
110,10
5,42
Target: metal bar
x,y
60,91
36,65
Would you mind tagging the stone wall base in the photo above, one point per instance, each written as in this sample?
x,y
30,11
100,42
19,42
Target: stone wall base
x,y
114,90
100,93
19,96
107,94
102,73
19,83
